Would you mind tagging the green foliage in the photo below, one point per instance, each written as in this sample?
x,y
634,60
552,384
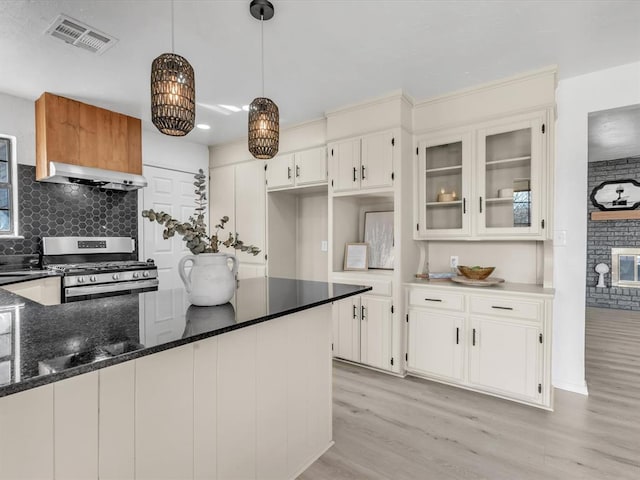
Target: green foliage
x,y
194,231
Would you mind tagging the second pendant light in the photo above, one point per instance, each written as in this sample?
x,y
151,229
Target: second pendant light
x,y
264,118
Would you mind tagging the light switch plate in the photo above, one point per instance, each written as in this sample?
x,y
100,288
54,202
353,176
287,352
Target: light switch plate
x,y
324,246
560,238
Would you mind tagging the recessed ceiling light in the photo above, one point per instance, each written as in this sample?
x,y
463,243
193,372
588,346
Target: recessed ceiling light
x,y
203,126
231,108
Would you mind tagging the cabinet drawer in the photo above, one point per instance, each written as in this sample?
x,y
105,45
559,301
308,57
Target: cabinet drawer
x,y
379,286
506,307
435,299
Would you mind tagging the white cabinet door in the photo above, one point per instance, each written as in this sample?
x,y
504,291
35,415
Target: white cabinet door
x,y
250,209
280,171
509,179
377,160
436,344
443,207
345,165
222,201
504,357
311,166
375,337
346,333
205,359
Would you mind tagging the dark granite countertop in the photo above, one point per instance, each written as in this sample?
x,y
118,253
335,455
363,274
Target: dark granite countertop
x,y
7,278
43,344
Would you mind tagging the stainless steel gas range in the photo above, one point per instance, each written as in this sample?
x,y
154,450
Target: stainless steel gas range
x,y
94,267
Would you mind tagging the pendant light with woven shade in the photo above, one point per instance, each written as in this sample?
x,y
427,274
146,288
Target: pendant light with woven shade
x,y
264,118
173,92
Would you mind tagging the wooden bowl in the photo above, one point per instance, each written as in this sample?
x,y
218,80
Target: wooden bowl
x,y
476,273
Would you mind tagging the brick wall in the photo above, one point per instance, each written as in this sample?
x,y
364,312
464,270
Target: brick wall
x,y
604,235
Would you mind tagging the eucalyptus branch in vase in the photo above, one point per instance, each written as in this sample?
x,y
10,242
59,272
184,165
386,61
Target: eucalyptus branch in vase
x,y
194,231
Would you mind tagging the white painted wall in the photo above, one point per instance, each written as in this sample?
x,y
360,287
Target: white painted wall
x,y
175,153
17,118
576,97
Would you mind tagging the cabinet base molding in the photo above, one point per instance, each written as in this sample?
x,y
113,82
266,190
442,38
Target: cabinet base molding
x,y
369,367
429,378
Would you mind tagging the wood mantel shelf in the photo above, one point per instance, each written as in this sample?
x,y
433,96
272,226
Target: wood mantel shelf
x,y
616,215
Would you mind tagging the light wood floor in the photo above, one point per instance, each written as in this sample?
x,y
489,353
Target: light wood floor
x,y
392,428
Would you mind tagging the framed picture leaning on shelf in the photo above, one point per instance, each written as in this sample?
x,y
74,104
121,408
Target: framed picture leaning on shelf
x,y
378,233
356,256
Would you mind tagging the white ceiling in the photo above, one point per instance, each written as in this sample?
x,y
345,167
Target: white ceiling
x,y
614,133
319,54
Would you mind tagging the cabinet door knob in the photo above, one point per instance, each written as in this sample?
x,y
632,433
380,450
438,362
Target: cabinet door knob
x,y
297,171
362,317
355,312
354,174
464,205
480,204
288,173
457,335
474,337
362,176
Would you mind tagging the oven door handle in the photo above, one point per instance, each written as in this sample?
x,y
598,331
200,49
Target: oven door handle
x,y
110,287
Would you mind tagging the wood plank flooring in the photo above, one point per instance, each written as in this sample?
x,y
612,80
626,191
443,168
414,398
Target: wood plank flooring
x,y
392,428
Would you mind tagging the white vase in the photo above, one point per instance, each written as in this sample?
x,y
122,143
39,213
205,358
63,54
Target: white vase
x,y
210,281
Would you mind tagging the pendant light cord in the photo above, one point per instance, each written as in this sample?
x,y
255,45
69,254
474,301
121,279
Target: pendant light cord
x,y
172,49
262,47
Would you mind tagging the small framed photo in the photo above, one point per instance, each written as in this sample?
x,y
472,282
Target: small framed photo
x,y
356,256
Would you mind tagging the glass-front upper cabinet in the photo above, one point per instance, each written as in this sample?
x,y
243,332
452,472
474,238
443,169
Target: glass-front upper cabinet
x,y
509,177
443,183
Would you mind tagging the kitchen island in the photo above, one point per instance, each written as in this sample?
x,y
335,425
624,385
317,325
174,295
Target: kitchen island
x,y
146,386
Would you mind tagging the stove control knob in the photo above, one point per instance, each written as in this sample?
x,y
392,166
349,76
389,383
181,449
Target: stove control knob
x,y
92,278
145,274
116,276
80,279
136,274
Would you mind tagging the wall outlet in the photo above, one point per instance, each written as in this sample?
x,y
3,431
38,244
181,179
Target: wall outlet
x,y
453,261
324,246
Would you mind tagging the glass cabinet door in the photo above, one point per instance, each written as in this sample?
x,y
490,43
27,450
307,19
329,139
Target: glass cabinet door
x,y
443,172
510,165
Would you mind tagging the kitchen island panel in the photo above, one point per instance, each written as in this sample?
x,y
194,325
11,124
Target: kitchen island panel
x,y
117,422
164,415
271,415
75,417
237,405
205,388
26,435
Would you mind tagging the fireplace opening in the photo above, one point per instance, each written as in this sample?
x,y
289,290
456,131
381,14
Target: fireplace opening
x,y
625,267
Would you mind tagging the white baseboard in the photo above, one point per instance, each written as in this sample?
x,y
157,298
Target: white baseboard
x,y
580,388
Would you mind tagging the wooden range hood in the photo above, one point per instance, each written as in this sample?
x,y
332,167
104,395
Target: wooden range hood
x,y
80,143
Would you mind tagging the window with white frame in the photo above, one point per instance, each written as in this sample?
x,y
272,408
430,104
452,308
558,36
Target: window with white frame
x,y
8,187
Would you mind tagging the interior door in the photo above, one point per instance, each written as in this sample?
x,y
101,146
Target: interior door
x,y
170,191
375,337
377,160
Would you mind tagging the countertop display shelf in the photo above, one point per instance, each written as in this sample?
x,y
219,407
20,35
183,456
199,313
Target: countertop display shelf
x,y
444,169
444,204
